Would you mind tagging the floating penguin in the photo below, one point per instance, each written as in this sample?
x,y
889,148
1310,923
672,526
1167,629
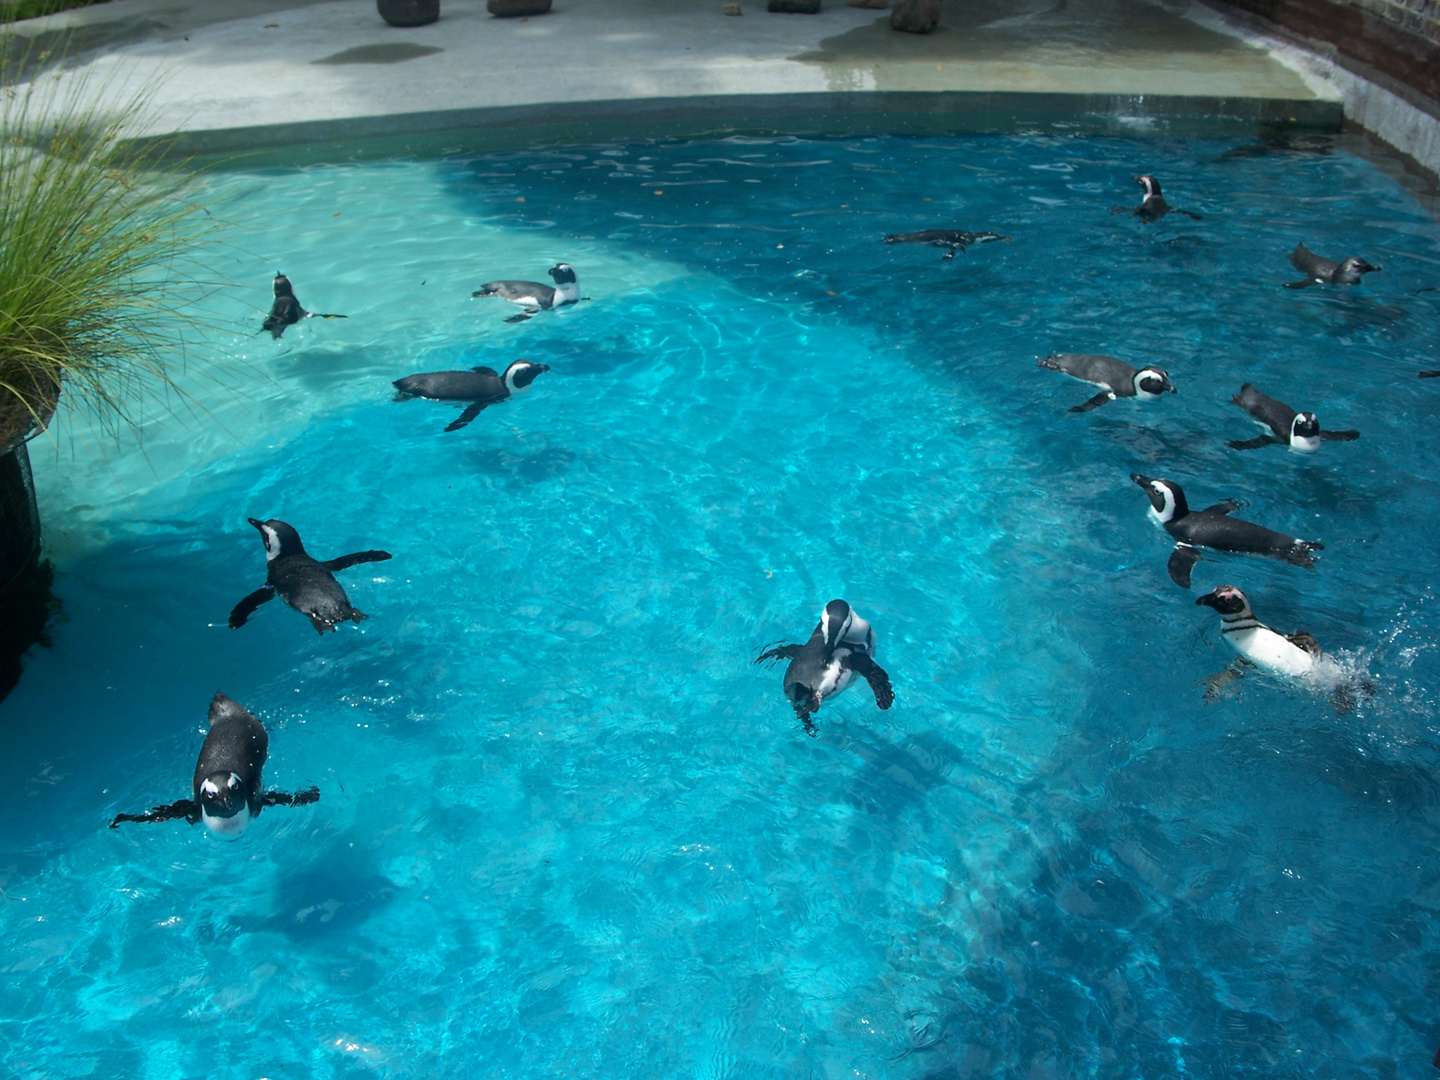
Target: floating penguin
x,y
1321,271
1153,206
305,584
952,240
533,296
1115,377
1430,374
1214,528
841,646
227,792
286,310
480,386
1298,430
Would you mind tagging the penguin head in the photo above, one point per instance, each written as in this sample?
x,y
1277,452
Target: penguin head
x,y
563,274
1305,431
1152,382
1149,183
1167,501
1227,600
835,620
282,286
1350,269
280,539
520,374
224,807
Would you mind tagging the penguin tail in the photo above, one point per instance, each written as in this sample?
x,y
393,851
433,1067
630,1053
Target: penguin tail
x,y
356,615
1049,363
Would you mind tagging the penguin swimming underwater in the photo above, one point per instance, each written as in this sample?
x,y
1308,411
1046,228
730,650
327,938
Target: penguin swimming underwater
x,y
952,240
1321,271
480,386
1117,378
286,310
1214,528
533,296
302,582
1153,206
1298,430
227,791
841,646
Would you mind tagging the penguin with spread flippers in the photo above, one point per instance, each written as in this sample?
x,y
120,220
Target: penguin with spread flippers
x,y
1116,378
480,386
1213,527
1297,430
286,310
227,792
1322,271
952,240
532,295
307,585
1153,206
841,647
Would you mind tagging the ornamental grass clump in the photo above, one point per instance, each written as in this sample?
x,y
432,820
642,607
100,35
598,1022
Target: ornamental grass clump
x,y
96,270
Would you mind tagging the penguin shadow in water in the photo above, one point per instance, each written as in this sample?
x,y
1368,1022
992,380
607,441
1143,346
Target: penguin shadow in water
x,y
331,895
548,463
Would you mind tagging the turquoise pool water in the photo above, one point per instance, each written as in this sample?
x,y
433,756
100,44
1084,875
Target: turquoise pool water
x,y
566,827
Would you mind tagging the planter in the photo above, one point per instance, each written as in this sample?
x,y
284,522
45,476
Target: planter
x,y
915,16
408,12
795,7
508,9
26,602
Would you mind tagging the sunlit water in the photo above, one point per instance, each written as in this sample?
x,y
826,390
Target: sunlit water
x,y
566,827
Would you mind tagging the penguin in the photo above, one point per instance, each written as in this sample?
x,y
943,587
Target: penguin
x,y
841,646
1117,378
533,296
952,240
1321,271
1298,430
227,792
1430,374
1153,206
302,582
286,310
1214,528
1282,654
480,386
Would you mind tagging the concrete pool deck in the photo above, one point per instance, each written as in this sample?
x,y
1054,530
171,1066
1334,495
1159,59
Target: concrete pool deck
x,y
242,74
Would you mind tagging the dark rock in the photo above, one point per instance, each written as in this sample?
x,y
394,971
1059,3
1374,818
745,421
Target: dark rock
x,y
732,9
795,7
509,8
878,4
408,12
915,16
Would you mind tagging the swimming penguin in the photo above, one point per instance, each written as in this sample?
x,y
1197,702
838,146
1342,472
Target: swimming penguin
x,y
480,386
1284,654
1321,271
841,646
533,296
286,311
227,791
1153,206
1430,374
302,582
1298,430
1214,528
1117,378
952,240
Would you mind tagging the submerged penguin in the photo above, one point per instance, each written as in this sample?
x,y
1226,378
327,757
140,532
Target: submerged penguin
x,y
1321,271
1153,206
1115,377
286,310
952,240
1214,528
1297,430
1430,374
305,584
533,296
227,792
841,646
480,386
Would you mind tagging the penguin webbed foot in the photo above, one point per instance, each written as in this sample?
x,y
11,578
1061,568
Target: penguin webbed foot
x,y
775,655
875,675
186,808
1182,562
1102,398
1252,444
1339,436
1216,685
322,625
285,798
245,608
344,562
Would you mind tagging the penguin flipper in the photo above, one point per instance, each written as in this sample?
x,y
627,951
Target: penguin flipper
x,y
1182,561
186,808
1255,443
874,674
285,798
245,608
522,316
1301,284
1229,506
344,562
471,411
1095,402
782,652
1188,213
1340,436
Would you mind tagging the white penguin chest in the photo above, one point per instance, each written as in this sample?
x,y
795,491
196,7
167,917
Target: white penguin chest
x,y
227,828
1270,650
836,676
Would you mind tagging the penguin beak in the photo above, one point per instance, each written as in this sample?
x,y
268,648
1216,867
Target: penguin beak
x,y
1208,599
1143,481
254,521
1170,386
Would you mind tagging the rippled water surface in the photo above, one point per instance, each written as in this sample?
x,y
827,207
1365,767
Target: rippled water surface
x,y
566,827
